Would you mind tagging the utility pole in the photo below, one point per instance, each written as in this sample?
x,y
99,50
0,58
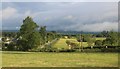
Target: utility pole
x,y
80,40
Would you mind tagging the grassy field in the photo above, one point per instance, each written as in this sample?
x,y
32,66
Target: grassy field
x,y
33,59
62,42
0,59
100,38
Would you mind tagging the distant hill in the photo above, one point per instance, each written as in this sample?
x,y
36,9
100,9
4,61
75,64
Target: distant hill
x,y
10,30
75,32
60,32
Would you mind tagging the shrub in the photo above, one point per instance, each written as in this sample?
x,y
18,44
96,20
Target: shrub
x,y
92,50
72,44
68,42
98,43
110,50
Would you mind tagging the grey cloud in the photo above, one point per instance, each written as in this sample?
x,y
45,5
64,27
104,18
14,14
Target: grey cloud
x,y
67,16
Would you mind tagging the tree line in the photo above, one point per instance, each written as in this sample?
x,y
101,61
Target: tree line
x,y
111,38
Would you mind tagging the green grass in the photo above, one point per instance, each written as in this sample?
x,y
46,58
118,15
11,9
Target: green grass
x,y
39,59
100,38
0,59
62,42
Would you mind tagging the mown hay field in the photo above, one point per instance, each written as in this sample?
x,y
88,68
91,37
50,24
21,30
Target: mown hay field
x,y
40,59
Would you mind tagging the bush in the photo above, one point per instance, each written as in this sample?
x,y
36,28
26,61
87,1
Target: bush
x,y
110,50
72,44
92,50
68,42
47,50
67,50
9,47
98,43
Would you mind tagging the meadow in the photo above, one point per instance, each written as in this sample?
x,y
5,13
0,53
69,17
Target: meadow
x,y
62,42
40,59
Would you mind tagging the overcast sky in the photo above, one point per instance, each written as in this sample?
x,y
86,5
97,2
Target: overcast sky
x,y
67,16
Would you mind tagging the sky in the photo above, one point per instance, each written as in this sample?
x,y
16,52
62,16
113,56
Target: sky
x,y
66,16
60,0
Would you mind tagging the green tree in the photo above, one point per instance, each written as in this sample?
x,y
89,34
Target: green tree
x,y
105,33
29,37
112,39
107,42
98,43
43,35
90,40
118,38
50,36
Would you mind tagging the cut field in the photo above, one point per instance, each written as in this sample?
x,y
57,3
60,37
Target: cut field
x,y
100,38
39,59
62,43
